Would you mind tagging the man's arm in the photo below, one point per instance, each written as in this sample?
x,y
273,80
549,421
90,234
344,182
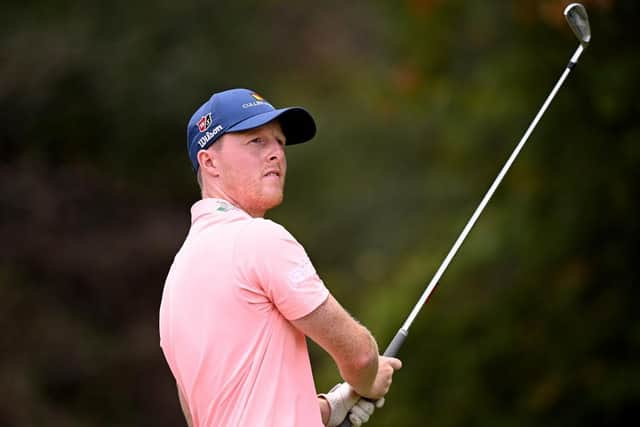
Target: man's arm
x,y
325,410
185,407
351,346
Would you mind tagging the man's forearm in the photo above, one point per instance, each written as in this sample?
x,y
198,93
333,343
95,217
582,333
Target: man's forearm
x,y
360,369
325,410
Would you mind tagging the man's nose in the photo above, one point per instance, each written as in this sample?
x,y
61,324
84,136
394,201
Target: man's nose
x,y
277,151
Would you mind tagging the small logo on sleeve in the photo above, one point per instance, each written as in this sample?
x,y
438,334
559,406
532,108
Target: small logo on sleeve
x,y
301,273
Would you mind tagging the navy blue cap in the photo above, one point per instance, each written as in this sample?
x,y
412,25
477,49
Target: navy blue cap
x,y
237,110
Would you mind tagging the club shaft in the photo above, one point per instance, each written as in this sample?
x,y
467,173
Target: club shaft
x,y
395,344
467,228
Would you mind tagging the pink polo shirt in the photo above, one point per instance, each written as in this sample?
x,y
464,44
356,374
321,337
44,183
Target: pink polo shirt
x,y
224,321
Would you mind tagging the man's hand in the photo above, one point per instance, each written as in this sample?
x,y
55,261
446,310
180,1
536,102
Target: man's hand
x,y
343,401
386,367
362,411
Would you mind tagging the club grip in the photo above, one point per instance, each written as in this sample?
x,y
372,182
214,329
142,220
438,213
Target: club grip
x,y
394,346
391,351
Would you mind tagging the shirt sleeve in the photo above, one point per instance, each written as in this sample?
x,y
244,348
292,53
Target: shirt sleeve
x,y
277,266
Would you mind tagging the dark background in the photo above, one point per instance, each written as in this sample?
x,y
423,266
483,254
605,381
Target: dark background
x,y
418,104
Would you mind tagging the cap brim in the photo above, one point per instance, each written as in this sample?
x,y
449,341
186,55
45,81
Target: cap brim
x,y
297,124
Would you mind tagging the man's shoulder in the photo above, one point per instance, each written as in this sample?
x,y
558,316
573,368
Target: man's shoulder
x,y
265,240
261,228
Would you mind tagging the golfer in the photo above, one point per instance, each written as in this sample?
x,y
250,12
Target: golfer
x,y
242,294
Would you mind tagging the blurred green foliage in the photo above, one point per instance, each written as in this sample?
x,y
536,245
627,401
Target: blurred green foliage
x,y
418,104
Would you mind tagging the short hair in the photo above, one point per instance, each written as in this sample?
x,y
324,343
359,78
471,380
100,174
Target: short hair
x,y
199,178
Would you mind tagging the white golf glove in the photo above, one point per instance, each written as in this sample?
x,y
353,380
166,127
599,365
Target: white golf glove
x,y
342,399
361,411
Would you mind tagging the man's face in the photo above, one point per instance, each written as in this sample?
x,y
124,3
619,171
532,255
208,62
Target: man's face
x,y
252,167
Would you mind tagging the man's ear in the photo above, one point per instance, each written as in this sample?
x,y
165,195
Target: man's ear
x,y
207,159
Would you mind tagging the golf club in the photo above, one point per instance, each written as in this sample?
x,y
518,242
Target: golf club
x,y
576,16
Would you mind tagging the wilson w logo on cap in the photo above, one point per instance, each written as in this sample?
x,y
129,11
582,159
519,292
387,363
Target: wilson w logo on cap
x,y
204,122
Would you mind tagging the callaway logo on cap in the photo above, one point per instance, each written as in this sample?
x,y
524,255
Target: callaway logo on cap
x,y
237,110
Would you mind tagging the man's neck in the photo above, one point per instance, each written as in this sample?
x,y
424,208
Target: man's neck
x,y
231,201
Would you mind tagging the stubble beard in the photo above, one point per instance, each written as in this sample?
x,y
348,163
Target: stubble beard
x,y
271,201
265,200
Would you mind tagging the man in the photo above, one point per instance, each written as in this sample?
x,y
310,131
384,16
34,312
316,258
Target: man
x,y
242,294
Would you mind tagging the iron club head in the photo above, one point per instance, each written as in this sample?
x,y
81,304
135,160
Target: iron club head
x,y
578,20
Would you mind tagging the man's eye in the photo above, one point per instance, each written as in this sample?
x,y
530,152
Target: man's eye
x,y
257,140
